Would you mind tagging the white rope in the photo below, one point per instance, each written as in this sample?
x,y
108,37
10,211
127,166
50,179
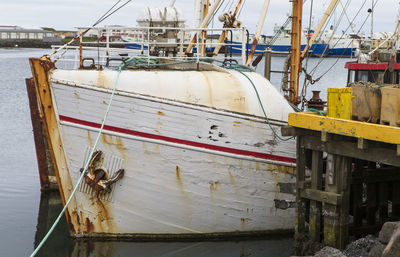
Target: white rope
x,y
85,169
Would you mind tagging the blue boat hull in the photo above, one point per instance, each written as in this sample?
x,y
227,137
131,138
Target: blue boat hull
x,y
342,52
136,46
316,49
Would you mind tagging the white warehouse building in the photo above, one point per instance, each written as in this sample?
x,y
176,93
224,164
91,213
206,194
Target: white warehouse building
x,y
17,32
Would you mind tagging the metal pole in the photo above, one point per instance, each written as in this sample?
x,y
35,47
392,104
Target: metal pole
x,y
260,26
80,53
267,68
372,18
295,66
244,46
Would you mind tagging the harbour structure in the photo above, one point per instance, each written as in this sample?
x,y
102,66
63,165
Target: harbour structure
x,y
348,158
187,148
21,33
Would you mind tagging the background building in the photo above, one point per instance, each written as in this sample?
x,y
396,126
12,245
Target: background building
x,y
17,32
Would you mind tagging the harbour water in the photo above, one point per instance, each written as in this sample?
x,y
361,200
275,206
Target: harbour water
x,y
25,214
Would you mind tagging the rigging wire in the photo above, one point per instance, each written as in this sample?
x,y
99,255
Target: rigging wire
x,y
101,19
308,53
241,8
322,57
347,17
230,7
215,13
106,12
226,6
362,25
337,59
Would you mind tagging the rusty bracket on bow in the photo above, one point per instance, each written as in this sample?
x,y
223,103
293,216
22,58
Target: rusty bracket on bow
x,y
97,177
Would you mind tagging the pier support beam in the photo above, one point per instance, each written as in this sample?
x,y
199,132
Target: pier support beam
x,y
336,180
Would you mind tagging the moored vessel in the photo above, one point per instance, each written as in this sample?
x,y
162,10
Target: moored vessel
x,y
190,148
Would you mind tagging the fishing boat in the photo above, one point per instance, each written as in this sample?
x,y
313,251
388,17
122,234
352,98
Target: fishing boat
x,y
281,45
190,147
340,45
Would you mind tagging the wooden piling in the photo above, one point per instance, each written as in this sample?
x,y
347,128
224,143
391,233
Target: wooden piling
x,y
300,176
349,177
316,206
267,66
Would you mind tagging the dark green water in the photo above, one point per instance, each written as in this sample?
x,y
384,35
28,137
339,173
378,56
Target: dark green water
x,y
25,214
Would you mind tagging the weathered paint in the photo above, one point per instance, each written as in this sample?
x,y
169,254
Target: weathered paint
x,y
229,90
40,68
343,127
188,171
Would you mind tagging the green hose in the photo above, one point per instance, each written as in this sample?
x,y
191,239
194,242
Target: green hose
x,y
316,111
259,100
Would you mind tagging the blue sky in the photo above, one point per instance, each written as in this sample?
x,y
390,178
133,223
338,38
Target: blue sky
x,y
67,14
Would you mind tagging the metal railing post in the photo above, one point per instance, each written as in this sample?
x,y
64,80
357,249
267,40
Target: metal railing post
x,y
244,46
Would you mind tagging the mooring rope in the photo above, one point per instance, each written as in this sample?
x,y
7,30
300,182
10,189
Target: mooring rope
x,y
86,166
240,70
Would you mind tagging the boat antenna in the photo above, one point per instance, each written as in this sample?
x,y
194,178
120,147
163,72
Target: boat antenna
x,y
107,14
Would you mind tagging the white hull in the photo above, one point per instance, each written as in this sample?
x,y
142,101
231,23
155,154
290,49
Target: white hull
x,y
190,169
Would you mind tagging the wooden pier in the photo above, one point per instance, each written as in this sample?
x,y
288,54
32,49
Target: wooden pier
x,y
348,178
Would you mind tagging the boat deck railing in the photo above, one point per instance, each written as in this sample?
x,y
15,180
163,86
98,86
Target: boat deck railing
x,y
153,43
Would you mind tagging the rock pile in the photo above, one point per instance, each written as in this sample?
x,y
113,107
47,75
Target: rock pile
x,y
386,245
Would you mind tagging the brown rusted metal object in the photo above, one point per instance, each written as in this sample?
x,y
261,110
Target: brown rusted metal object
x,y
40,70
38,135
229,24
80,55
97,177
295,66
316,102
252,50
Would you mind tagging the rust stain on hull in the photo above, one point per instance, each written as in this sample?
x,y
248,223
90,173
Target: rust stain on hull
x,y
41,69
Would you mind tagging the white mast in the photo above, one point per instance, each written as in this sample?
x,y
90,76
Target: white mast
x,y
260,26
372,19
172,3
198,13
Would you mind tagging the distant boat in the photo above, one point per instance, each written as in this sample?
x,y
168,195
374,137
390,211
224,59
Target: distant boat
x,y
339,45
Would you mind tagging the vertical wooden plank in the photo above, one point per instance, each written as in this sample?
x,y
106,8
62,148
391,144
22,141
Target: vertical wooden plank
x,y
383,203
38,135
300,178
336,218
267,66
315,206
371,203
396,199
357,195
344,189
331,212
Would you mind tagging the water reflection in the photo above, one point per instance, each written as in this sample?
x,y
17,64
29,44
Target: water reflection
x,y
61,245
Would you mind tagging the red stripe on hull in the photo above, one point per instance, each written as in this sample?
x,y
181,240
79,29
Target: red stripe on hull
x,y
180,141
